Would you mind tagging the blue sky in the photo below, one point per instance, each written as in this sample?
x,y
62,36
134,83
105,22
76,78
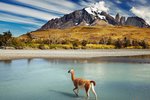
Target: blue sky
x,y
22,16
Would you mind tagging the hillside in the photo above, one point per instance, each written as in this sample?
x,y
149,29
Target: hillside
x,y
91,27
93,33
106,35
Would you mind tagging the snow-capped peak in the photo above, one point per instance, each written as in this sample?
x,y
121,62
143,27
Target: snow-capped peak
x,y
97,8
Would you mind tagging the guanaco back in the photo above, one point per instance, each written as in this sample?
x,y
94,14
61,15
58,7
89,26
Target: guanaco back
x,y
80,83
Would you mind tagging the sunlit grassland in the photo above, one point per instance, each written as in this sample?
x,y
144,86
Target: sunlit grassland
x,y
92,34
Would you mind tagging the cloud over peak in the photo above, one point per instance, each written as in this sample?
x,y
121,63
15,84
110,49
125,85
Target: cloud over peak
x,y
101,5
142,11
37,12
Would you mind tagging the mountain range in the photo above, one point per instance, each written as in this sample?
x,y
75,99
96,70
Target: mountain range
x,y
92,16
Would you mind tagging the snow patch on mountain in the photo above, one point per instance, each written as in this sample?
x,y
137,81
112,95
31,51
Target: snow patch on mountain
x,y
97,8
101,16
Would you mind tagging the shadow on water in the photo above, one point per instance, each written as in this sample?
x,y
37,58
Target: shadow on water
x,y
71,95
64,93
29,60
6,62
121,59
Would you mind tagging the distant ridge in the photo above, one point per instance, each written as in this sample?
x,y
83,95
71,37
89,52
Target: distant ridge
x,y
92,16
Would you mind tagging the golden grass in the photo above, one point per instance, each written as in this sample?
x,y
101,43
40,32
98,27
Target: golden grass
x,y
100,46
94,33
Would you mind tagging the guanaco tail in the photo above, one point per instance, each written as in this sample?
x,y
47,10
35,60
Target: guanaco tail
x,y
80,83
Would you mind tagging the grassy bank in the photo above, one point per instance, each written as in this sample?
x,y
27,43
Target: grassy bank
x,y
82,37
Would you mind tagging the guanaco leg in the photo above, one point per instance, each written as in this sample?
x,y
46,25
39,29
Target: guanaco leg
x,y
93,90
76,93
87,89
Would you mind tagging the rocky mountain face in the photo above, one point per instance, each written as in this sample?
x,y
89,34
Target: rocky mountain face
x,y
117,18
79,17
92,16
109,18
122,20
136,21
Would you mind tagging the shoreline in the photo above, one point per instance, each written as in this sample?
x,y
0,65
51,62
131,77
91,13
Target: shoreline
x,y
78,54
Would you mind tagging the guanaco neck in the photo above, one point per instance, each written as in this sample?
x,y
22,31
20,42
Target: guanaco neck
x,y
72,76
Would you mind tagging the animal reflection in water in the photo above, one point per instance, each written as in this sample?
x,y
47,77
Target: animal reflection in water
x,y
80,83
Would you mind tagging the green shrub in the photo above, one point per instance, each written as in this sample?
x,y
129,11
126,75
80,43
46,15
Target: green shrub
x,y
118,44
100,46
4,38
42,46
84,43
75,44
144,44
134,47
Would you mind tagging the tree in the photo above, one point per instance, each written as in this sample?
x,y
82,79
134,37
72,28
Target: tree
x,y
102,41
126,42
118,44
84,43
75,44
5,38
144,44
109,41
1,36
16,43
135,43
7,34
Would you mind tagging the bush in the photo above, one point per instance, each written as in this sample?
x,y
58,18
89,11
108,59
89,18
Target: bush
x,y
134,47
84,43
16,43
126,42
144,44
118,44
5,37
42,47
109,41
100,46
67,46
75,44
60,46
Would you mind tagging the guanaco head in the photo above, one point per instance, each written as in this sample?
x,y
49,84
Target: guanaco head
x,y
70,71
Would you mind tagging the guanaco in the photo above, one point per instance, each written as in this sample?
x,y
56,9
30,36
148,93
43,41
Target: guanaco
x,y
80,83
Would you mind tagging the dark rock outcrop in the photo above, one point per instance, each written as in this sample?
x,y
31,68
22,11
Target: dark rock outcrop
x,y
109,18
122,20
117,18
136,21
69,20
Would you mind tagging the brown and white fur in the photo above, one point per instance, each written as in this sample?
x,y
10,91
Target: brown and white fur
x,y
82,83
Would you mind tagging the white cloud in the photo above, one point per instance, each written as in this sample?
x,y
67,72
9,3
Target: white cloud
x,y
114,9
29,28
64,3
101,6
86,4
57,6
142,11
44,6
26,11
143,1
118,1
16,19
98,6
140,1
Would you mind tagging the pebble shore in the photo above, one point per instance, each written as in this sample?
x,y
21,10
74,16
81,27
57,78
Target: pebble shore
x,y
20,54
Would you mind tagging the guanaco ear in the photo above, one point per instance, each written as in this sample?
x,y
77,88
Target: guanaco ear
x,y
69,71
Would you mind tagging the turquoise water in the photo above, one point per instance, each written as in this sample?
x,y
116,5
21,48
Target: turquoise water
x,y
43,79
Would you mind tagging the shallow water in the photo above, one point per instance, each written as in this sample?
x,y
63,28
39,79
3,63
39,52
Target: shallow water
x,y
43,79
